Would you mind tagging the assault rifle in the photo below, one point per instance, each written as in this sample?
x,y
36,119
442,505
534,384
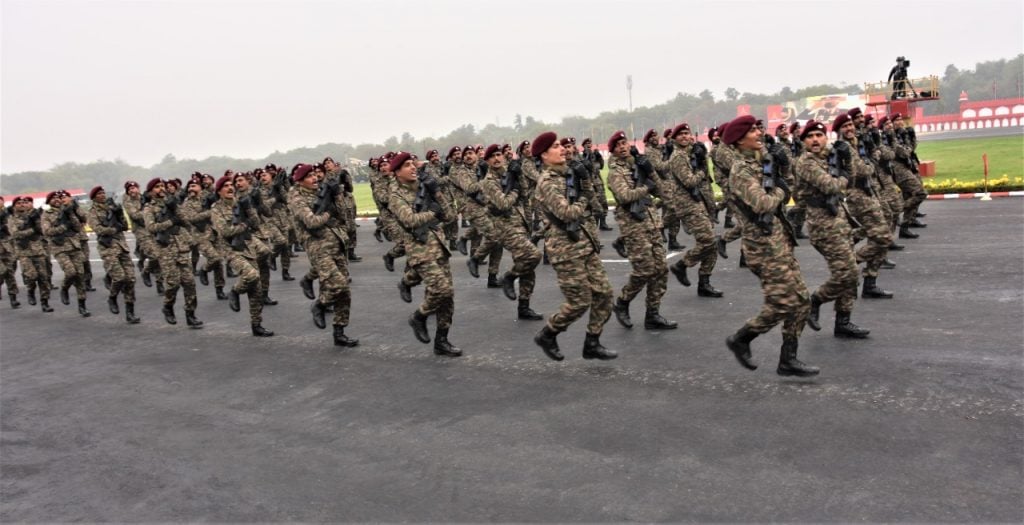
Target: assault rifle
x,y
32,222
114,218
699,163
4,232
426,200
642,171
168,213
240,215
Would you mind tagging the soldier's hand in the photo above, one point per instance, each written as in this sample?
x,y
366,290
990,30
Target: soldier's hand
x,y
670,146
436,208
781,184
768,183
650,184
634,152
429,183
644,165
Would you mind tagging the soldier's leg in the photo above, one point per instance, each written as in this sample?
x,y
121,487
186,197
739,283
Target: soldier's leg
x,y
127,276
640,253
438,294
248,283
183,265
735,232
656,272
72,275
914,194
878,240
8,271
526,257
30,277
87,264
785,295
172,281
576,289
494,257
797,301
698,224
842,266
601,293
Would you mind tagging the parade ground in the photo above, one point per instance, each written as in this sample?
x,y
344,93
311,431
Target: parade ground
x,y
101,421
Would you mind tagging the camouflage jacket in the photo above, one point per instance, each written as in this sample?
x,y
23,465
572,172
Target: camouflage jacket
x,y
626,192
564,216
431,247
107,237
62,231
505,208
134,207
722,157
745,187
316,231
465,180
222,218
198,219
815,185
177,238
28,240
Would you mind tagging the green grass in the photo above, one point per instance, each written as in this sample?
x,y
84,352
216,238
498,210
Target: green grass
x,y
960,159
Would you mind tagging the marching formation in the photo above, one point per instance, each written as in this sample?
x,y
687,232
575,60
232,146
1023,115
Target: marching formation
x,y
541,202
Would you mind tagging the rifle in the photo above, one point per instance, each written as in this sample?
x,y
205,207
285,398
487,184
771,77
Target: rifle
x,y
906,137
864,148
32,222
426,200
168,213
240,215
772,167
4,232
573,191
114,218
325,196
642,171
699,163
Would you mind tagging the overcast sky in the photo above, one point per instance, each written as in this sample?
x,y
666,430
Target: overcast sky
x,y
136,80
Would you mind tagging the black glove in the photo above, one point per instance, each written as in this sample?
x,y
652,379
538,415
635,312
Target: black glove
x,y
578,169
171,204
634,152
244,203
644,165
515,167
669,148
651,184
436,209
429,183
781,184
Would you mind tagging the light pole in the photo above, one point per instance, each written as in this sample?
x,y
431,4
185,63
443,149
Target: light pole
x,y
629,91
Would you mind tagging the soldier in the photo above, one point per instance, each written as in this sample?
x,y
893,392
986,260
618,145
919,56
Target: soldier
x,y
798,213
670,215
333,169
197,212
234,226
595,163
163,221
107,221
530,176
865,208
320,221
769,252
8,259
723,156
823,177
420,208
467,179
387,181
83,242
634,183
503,189
61,227
269,236
692,206
27,233
907,177
134,202
274,192
572,245
891,192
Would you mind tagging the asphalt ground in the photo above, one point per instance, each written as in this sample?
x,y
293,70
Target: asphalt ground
x,y
923,422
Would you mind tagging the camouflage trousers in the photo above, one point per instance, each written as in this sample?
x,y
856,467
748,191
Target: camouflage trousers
x,y
736,231
786,299
72,263
118,265
584,283
670,218
248,283
525,256
331,263
868,212
35,274
393,231
831,237
439,296
647,254
892,197
484,239
214,261
697,223
176,267
599,202
87,267
148,249
8,267
913,192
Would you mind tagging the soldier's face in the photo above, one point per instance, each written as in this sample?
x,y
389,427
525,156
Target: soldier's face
x,y
848,130
65,200
684,138
887,127
330,165
469,157
496,160
782,134
407,173
100,197
266,177
621,148
898,123
227,191
752,140
858,121
815,141
310,182
242,183
194,188
159,190
22,205
457,157
555,155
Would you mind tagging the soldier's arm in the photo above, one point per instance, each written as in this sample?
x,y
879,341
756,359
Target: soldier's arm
x,y
550,194
813,174
304,214
886,153
404,213
749,190
195,214
221,222
94,222
15,225
51,226
618,181
492,190
679,165
152,226
134,211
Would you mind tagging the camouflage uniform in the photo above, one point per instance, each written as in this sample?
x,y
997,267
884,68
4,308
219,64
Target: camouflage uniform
x,y
670,214
442,174
242,254
83,242
695,219
174,255
530,177
62,228
511,227
113,248
890,193
8,258
273,208
482,233
865,208
599,202
913,191
27,238
798,213
145,247
260,213
347,207
381,194
203,234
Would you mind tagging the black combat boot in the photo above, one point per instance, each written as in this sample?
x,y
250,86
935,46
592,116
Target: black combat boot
x,y
389,262
704,288
546,340
896,247
452,245
404,291
526,313
307,287
461,246
508,285
621,310
815,313
168,311
272,263
721,245
739,344
846,328
679,270
603,224
259,331
743,259
221,296
234,301
204,277
654,321
352,255
112,304
65,297
14,302
107,281
492,281
673,244
872,291
160,284
418,322
789,365
129,313
191,320
32,297
340,339
905,232
297,248
474,267
45,305
267,300
593,349
88,285
920,215
319,314
620,248
82,310
914,223
377,235
887,265
442,346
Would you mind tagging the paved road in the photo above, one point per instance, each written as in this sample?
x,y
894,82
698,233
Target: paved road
x,y
923,422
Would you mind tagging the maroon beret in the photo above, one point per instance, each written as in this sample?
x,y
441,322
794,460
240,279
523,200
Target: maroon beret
x,y
780,127
398,160
667,133
854,113
565,142
650,133
198,181
522,145
94,191
506,147
883,120
813,125
586,141
300,171
840,120
868,118
452,152
794,126
469,148
615,138
493,149
759,123
542,143
151,184
722,128
52,194
389,155
221,182
712,132
737,128
895,116
429,153
326,160
679,129
130,184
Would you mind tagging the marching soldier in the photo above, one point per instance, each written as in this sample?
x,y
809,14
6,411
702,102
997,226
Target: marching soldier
x,y
148,264
274,193
769,252
107,221
594,163
798,213
332,169
891,192
62,227
197,212
572,245
503,189
907,178
259,211
232,220
420,209
387,181
821,188
634,183
27,232
8,258
467,178
164,222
